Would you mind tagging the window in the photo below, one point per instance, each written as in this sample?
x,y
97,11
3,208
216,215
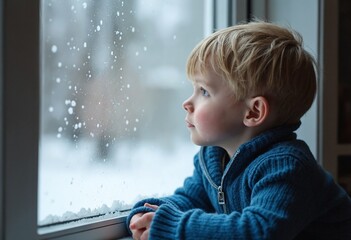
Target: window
x,y
24,28
112,124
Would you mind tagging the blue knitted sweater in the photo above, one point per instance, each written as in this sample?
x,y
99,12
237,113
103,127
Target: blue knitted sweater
x,y
272,188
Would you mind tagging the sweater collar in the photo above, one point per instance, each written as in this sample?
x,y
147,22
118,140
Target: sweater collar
x,y
247,152
268,138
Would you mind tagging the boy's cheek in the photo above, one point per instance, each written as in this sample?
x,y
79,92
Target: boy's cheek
x,y
203,119
207,124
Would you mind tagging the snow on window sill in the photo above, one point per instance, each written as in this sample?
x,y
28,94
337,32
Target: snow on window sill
x,y
112,224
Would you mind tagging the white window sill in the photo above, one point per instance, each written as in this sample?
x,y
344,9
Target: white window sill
x,y
107,227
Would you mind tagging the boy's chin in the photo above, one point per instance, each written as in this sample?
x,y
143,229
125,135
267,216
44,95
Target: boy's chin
x,y
199,142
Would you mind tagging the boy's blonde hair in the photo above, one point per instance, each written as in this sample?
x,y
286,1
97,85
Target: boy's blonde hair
x,y
260,59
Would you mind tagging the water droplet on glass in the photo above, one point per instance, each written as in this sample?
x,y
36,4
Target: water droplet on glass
x,y
54,48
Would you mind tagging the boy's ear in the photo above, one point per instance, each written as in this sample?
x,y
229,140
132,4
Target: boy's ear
x,y
257,111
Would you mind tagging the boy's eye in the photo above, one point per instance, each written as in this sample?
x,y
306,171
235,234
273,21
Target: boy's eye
x,y
204,92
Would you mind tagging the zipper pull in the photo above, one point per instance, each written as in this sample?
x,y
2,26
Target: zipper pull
x,y
220,196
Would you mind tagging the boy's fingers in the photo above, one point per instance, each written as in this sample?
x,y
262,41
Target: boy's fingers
x,y
138,233
154,207
138,225
143,222
132,226
134,219
145,235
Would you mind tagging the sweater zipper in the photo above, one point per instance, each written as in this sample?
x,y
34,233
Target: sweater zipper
x,y
220,191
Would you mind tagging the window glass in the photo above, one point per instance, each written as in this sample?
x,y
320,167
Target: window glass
x,y
112,86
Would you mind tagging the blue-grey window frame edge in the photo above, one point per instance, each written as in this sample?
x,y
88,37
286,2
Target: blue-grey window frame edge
x,y
19,118
20,105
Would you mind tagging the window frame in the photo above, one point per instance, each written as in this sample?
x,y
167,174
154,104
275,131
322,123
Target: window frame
x,y
19,119
328,104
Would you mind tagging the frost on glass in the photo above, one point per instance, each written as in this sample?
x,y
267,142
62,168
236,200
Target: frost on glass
x,y
112,84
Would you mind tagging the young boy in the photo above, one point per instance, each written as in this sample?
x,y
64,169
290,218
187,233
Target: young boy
x,y
253,179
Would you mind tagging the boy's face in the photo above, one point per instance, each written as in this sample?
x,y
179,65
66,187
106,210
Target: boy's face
x,y
214,117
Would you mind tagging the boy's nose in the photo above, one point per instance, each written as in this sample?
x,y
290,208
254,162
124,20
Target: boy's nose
x,y
188,106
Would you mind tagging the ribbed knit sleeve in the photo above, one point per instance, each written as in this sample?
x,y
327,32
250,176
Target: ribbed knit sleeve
x,y
169,223
164,225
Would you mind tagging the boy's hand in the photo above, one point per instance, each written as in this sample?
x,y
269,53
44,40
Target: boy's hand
x,y
141,222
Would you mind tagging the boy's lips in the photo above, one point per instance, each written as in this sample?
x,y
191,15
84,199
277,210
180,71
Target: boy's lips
x,y
188,124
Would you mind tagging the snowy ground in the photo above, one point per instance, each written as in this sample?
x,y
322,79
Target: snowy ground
x,y
73,184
